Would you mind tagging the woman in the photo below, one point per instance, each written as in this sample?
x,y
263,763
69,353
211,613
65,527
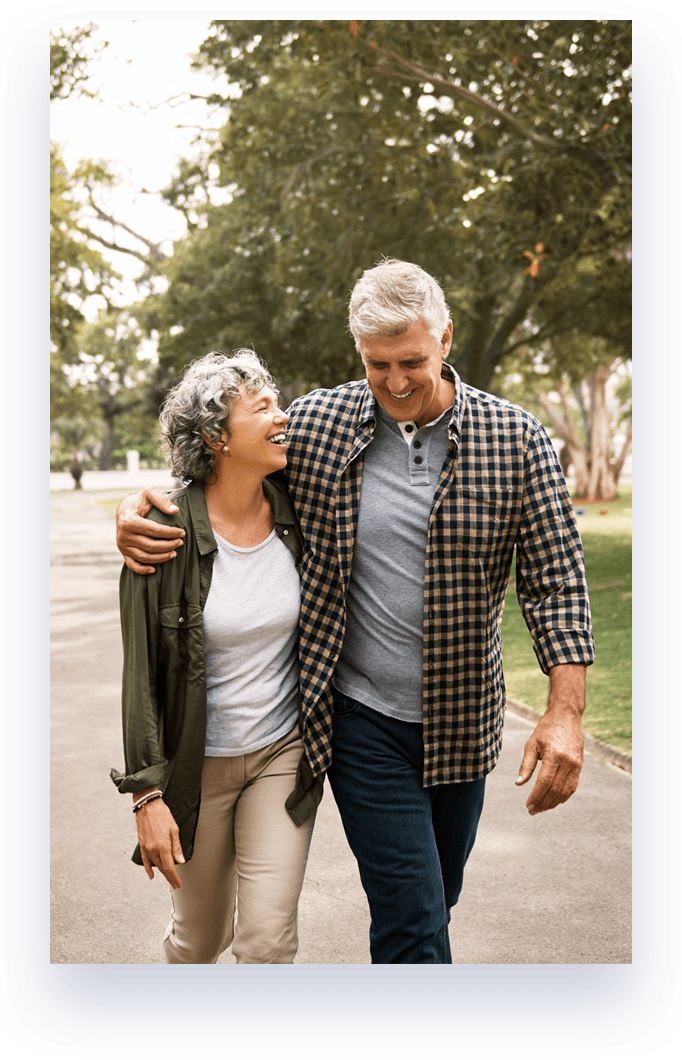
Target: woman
x,y
223,797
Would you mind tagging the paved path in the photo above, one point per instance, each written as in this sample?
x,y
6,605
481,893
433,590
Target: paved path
x,y
554,889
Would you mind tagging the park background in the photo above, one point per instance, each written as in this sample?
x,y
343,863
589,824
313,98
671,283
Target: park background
x,y
234,199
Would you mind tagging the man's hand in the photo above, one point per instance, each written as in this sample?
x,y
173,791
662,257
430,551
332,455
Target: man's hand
x,y
557,741
159,840
140,540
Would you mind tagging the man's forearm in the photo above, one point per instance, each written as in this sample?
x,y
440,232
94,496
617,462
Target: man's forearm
x,y
567,690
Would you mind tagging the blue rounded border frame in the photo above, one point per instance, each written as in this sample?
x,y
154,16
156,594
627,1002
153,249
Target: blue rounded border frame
x,y
466,1011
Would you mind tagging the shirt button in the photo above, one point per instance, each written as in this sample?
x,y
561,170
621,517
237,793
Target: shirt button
x,y
409,427
285,532
416,444
419,459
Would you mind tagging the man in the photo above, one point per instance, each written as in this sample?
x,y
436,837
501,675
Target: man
x,y
413,490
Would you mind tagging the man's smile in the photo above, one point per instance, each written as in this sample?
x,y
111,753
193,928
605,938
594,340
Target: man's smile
x,y
401,397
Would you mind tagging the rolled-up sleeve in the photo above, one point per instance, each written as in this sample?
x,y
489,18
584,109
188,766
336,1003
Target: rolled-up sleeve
x,y
145,765
550,570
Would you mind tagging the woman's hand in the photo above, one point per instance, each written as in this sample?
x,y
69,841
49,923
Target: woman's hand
x,y
159,840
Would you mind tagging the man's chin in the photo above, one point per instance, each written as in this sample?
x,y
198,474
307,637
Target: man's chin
x,y
398,408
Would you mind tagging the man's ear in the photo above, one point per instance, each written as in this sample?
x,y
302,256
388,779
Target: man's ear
x,y
446,341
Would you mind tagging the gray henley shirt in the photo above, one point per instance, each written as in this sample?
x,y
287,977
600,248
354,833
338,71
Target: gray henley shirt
x,y
381,660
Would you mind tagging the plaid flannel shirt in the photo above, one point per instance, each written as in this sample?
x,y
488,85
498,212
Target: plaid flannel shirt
x,y
500,487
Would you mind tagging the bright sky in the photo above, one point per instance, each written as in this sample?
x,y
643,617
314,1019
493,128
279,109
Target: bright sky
x,y
147,62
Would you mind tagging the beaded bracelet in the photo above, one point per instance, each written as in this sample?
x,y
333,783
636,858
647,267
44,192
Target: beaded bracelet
x,y
154,791
143,802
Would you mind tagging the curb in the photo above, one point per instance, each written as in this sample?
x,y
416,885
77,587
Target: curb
x,y
604,751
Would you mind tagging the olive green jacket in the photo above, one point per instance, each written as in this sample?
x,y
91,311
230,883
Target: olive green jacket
x,y
164,674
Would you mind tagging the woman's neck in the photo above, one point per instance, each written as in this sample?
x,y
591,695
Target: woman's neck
x,y
238,509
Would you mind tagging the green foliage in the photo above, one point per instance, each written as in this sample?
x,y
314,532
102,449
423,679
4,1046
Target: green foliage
x,y
462,145
73,430
77,269
107,347
81,429
106,383
70,55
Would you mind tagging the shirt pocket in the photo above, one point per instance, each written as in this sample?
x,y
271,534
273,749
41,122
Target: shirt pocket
x,y
181,643
482,519
180,616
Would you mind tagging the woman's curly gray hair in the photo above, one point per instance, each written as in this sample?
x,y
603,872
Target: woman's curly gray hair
x,y
200,407
392,297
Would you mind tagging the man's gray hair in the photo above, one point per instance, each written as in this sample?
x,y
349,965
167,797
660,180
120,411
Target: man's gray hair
x,y
392,297
200,408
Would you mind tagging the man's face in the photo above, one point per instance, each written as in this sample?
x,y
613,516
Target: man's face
x,y
403,373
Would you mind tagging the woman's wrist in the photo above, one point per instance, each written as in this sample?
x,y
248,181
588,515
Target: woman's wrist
x,y
142,798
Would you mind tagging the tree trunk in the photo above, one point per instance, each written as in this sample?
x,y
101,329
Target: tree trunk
x,y
563,425
620,460
596,473
110,410
472,365
106,453
602,482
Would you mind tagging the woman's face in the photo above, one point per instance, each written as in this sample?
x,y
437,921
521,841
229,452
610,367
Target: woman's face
x,y
257,432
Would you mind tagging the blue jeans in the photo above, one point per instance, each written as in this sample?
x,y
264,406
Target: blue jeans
x,y
411,842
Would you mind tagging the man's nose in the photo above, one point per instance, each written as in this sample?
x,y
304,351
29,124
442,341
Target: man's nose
x,y
396,380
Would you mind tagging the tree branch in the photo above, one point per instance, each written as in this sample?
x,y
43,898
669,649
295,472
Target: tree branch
x,y
464,93
155,252
316,157
563,426
115,246
549,408
173,101
530,340
513,318
620,460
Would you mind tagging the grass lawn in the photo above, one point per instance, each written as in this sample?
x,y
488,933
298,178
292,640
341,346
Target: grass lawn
x,y
607,541
110,504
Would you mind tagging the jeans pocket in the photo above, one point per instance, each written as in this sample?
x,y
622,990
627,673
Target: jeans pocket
x,y
344,706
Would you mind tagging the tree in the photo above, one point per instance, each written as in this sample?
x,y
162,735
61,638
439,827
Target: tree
x,y
110,369
597,472
78,271
71,55
494,153
576,405
81,277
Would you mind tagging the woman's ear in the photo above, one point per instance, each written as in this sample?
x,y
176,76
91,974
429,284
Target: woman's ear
x,y
221,446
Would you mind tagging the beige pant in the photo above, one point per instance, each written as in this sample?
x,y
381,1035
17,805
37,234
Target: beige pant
x,y
246,847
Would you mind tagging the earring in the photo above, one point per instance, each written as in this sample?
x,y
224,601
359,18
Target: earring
x,y
225,449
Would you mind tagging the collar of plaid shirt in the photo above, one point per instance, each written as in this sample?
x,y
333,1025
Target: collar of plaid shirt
x,y
500,488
